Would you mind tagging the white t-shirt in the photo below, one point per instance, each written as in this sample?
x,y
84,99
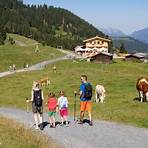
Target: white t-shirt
x,y
62,102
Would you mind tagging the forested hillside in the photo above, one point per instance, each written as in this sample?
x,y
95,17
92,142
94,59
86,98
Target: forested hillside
x,y
46,24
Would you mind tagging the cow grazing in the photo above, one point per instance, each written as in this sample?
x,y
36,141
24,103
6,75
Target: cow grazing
x,y
100,93
44,81
54,68
142,87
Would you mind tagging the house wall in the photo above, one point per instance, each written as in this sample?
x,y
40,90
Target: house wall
x,y
96,43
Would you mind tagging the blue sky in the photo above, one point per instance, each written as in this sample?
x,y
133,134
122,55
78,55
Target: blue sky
x,y
126,15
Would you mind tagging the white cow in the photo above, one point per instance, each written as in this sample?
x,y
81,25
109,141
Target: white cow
x,y
100,93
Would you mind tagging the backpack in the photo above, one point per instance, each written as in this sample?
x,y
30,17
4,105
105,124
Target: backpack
x,y
88,90
37,96
64,103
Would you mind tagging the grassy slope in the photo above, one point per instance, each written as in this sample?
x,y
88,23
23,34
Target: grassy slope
x,y
24,40
15,135
20,55
119,80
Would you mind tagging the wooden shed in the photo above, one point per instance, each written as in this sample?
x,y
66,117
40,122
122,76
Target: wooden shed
x,y
102,57
134,57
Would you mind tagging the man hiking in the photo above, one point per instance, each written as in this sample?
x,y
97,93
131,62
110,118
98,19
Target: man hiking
x,y
85,98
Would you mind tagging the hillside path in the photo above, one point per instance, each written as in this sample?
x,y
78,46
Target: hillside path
x,y
102,134
41,65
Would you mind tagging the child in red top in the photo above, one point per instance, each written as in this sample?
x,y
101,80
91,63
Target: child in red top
x,y
52,104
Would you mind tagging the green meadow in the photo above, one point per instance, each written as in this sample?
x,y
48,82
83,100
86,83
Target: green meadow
x,y
119,80
25,55
20,55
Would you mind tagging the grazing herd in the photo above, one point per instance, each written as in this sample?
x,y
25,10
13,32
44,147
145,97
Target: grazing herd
x,y
141,85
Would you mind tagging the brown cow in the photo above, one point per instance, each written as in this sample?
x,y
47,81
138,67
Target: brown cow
x,y
142,87
44,81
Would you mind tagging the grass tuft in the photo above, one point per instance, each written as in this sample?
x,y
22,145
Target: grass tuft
x,y
15,135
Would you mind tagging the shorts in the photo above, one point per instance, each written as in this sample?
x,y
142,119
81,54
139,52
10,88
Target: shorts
x,y
51,113
37,109
85,106
64,112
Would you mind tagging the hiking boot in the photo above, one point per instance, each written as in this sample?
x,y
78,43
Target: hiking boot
x,y
41,126
80,122
90,123
66,125
36,127
52,126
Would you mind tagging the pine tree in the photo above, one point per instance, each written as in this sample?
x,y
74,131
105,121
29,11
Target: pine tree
x,y
122,48
3,36
48,25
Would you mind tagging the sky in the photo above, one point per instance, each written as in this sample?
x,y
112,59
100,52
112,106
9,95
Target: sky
x,y
125,15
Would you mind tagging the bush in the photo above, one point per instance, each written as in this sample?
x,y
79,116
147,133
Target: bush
x,y
11,41
3,36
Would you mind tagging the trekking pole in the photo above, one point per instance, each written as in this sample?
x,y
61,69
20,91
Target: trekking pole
x,y
75,93
27,105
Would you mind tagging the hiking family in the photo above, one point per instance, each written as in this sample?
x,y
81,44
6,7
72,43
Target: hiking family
x,y
60,105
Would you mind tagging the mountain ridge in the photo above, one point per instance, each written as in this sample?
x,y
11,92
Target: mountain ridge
x,y
141,35
46,24
112,32
130,44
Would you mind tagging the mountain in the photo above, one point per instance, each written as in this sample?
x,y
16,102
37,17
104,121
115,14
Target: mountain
x,y
112,32
46,24
141,35
130,44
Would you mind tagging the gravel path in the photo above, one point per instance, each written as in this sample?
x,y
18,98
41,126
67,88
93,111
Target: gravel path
x,y
41,65
101,135
38,66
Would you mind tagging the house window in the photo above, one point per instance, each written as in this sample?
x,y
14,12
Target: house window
x,y
93,42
